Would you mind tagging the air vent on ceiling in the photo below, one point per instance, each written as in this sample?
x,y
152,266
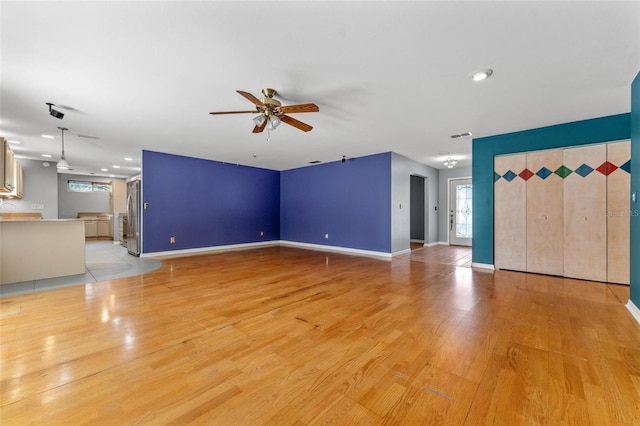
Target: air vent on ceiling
x,y
459,135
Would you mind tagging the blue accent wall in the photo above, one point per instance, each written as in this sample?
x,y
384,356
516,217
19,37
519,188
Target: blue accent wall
x,y
597,130
206,203
350,201
635,187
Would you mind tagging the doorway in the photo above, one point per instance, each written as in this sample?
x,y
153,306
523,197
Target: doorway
x,y
460,212
418,218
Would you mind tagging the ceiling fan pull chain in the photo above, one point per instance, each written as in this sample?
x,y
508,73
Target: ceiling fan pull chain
x,y
268,135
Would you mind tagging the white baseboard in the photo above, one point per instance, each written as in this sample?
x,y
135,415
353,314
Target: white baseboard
x,y
401,252
486,266
202,250
336,249
318,247
416,241
437,243
634,310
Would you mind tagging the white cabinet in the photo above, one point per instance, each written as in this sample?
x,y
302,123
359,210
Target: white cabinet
x,y
19,181
118,196
90,228
7,169
104,228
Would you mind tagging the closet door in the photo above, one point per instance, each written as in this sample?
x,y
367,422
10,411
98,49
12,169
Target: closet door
x,y
585,224
545,219
510,213
618,213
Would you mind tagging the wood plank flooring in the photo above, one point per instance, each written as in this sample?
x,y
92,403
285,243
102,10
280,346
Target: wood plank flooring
x,y
286,336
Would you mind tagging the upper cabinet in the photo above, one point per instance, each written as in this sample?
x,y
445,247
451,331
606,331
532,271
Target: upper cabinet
x,y
118,196
11,175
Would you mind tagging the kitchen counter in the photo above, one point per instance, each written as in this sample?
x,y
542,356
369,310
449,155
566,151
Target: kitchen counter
x,y
39,249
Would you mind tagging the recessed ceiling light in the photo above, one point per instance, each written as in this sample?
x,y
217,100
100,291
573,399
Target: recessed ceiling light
x,y
48,137
46,155
128,159
15,142
116,167
104,170
481,75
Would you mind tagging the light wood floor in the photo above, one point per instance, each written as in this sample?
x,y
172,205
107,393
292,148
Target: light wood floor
x,y
287,336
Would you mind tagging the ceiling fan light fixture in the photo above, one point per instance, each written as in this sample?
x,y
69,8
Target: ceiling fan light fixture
x,y
274,121
258,120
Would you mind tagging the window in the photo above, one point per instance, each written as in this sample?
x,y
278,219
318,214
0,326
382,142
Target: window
x,y
86,186
463,213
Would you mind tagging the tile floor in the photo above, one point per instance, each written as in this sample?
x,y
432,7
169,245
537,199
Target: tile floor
x,y
105,261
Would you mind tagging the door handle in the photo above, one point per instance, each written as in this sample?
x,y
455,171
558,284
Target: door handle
x,y
451,221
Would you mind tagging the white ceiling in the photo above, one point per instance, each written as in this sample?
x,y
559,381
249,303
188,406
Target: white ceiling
x,y
387,75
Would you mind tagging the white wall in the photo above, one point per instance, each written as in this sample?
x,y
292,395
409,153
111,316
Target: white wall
x,y
443,203
401,170
40,186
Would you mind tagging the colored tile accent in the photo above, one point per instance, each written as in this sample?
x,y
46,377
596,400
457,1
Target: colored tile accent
x,y
607,168
526,174
544,173
626,166
509,176
496,177
584,170
563,171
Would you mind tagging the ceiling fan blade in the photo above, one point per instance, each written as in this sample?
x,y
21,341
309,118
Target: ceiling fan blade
x,y
260,128
251,98
232,112
300,108
295,123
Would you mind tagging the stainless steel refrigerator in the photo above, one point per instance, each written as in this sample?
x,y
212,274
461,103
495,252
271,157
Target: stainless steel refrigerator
x,y
133,217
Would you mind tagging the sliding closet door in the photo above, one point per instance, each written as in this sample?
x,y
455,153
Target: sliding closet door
x,y
545,221
618,214
510,213
585,224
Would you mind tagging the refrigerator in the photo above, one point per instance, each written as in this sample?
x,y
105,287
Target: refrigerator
x,y
133,217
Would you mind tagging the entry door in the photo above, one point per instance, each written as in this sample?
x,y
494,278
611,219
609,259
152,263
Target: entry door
x,y
460,212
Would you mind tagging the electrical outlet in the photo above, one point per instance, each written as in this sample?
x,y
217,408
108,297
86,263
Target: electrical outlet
x,y
172,240
326,236
262,233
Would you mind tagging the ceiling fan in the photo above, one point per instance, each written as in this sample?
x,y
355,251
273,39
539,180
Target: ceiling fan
x,y
272,113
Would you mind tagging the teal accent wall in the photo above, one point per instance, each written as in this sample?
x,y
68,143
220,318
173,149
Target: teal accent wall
x,y
635,187
596,130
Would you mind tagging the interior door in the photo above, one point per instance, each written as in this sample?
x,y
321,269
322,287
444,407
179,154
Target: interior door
x,y
618,214
545,220
585,220
510,212
460,212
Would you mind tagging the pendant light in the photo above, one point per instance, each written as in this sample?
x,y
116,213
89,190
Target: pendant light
x,y
62,164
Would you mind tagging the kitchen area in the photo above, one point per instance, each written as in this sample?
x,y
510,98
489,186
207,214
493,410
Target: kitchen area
x,y
50,219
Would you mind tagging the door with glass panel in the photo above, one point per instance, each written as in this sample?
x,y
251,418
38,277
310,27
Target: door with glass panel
x,y
460,212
